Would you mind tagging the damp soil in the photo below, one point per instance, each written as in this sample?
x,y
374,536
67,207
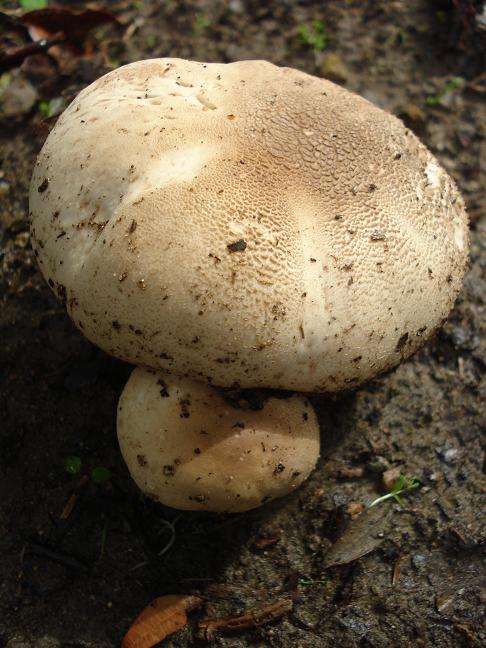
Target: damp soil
x,y
80,557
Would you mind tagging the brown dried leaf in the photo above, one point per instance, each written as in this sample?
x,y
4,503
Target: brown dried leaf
x,y
263,543
73,25
163,616
360,537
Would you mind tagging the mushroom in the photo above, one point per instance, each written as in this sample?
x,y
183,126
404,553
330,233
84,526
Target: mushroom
x,y
188,447
245,225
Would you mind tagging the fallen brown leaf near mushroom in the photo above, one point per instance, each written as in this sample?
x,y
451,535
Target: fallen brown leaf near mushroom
x,y
362,535
240,226
73,25
50,29
162,617
168,614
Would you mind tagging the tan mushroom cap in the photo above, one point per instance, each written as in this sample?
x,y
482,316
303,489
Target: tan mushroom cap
x,y
187,447
245,224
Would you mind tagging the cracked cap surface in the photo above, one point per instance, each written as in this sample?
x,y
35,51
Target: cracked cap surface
x,y
245,224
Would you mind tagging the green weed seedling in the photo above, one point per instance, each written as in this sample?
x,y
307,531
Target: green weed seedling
x,y
201,22
73,465
310,581
451,84
100,475
151,41
316,36
402,485
51,108
31,5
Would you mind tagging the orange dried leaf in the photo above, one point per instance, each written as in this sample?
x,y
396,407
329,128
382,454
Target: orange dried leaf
x,y
163,616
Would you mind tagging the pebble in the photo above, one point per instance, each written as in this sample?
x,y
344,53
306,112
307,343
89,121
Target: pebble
x,y
332,67
4,188
347,472
419,561
466,134
448,455
378,465
462,338
18,98
390,477
236,6
355,508
414,112
22,239
313,541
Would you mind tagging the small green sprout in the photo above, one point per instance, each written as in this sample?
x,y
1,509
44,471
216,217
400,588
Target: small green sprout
x,y
5,80
451,84
398,37
151,41
51,108
200,23
114,50
316,36
31,5
72,465
311,581
44,108
441,16
433,100
402,485
100,475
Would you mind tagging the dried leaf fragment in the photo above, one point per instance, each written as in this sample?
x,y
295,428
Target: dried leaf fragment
x,y
163,616
361,536
263,543
73,25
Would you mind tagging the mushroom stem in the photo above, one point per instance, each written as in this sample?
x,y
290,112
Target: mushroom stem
x,y
188,447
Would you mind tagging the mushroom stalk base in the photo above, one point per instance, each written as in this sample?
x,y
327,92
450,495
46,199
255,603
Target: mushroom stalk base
x,y
188,447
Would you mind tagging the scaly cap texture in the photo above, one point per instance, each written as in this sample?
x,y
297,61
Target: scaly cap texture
x,y
245,224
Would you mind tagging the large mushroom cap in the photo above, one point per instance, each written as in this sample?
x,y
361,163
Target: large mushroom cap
x,y
187,447
245,224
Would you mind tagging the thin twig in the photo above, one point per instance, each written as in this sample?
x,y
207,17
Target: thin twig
x,y
56,556
396,571
207,628
104,534
172,529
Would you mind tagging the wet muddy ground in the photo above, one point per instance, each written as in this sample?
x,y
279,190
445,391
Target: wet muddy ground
x,y
79,578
